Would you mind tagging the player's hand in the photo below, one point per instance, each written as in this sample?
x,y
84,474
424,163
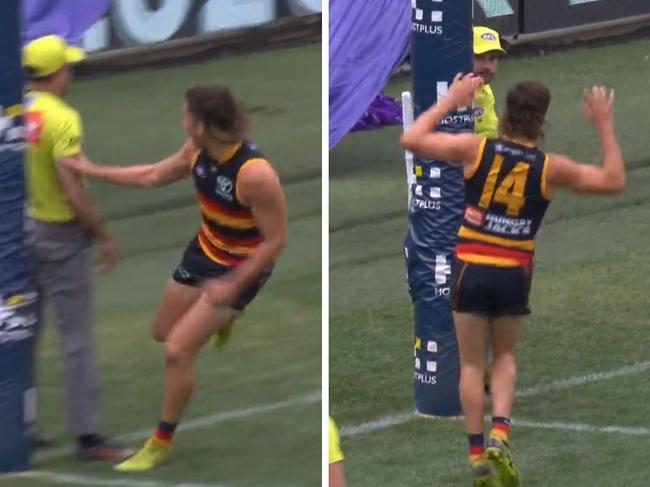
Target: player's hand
x,y
461,92
599,105
110,256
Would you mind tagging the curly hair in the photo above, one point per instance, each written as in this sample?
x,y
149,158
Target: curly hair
x,y
525,114
217,108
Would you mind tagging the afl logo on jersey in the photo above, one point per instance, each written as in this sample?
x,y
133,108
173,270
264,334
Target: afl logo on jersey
x,y
199,171
224,187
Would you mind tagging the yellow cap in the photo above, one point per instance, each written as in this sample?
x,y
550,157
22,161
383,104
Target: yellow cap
x,y
486,40
46,55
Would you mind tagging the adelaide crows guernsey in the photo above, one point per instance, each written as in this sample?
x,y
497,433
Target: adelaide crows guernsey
x,y
506,198
228,232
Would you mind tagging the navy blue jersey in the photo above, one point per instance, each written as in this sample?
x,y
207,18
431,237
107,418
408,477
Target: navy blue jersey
x,y
506,199
229,232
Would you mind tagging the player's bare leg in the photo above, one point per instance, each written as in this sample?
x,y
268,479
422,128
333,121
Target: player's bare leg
x,y
182,344
472,334
505,334
176,300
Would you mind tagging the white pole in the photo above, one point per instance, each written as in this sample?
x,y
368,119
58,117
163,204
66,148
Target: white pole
x,y
407,121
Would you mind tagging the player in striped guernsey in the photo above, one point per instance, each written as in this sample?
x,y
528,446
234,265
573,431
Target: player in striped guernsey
x,y
509,185
242,233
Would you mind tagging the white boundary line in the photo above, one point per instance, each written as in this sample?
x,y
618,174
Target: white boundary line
x,y
87,480
640,367
571,382
397,420
202,422
377,424
581,427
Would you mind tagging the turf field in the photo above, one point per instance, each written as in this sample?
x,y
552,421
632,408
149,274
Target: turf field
x,y
590,304
255,420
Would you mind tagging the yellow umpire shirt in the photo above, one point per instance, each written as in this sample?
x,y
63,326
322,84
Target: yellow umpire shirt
x,y
335,453
487,122
53,131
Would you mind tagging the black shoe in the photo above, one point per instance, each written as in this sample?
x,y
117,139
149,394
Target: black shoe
x,y
97,448
40,441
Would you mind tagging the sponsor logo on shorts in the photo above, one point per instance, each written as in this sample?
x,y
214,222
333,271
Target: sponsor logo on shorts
x,y
183,273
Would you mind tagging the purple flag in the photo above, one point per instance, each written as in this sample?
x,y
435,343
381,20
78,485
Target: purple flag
x,y
383,110
69,19
368,39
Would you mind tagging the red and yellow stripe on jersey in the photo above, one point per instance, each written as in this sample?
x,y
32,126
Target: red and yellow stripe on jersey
x,y
482,248
228,233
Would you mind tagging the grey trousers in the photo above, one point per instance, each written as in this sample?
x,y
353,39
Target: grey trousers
x,y
63,274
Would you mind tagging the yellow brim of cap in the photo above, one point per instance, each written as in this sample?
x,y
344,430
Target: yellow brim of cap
x,y
74,54
489,48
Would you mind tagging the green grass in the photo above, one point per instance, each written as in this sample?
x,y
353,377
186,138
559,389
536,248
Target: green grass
x,y
275,351
590,301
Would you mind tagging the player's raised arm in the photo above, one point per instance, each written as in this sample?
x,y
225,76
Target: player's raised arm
x,y
171,169
609,177
423,138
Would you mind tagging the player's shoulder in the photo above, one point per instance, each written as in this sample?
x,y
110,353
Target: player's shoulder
x,y
256,170
250,150
257,175
254,160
